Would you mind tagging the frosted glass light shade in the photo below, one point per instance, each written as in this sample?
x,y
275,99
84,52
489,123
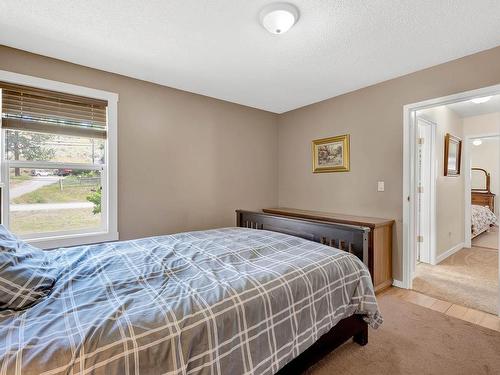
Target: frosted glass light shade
x,y
278,18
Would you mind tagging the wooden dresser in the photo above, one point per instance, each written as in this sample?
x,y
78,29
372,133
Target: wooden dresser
x,y
379,239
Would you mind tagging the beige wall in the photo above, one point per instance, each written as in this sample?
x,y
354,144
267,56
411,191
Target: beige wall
x,y
232,149
373,117
185,161
450,202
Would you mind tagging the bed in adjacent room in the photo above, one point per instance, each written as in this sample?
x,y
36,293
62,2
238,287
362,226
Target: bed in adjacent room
x,y
482,219
482,202
223,301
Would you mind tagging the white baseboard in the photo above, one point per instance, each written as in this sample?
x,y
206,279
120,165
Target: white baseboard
x,y
449,252
397,283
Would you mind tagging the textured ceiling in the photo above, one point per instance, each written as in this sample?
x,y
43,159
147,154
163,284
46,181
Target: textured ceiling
x,y
468,109
217,47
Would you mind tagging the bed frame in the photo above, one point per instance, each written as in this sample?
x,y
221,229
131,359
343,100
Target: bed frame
x,y
483,197
353,239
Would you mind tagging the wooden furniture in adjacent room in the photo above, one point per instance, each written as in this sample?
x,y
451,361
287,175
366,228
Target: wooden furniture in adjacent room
x,y
379,239
481,194
483,199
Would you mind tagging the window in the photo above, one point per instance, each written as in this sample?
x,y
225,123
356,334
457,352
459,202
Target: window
x,y
58,163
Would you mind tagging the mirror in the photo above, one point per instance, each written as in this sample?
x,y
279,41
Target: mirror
x,y
480,180
452,155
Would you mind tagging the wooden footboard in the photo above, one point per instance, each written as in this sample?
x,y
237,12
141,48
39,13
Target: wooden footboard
x,y
351,238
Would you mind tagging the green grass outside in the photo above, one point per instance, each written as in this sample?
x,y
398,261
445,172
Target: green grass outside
x,y
53,220
53,194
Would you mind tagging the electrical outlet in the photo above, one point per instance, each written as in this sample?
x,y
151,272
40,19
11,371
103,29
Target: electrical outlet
x,y
381,186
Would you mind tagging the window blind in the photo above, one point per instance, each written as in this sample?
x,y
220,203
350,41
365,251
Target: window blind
x,y
44,111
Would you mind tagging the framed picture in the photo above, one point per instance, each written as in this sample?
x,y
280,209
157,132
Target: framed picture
x,y
452,155
331,154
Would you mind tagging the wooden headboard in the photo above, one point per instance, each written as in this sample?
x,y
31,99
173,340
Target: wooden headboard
x,y
351,238
483,199
483,196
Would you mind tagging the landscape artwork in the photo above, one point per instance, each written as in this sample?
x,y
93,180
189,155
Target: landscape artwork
x,y
331,154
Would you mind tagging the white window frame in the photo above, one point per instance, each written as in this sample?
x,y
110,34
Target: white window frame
x,y
109,177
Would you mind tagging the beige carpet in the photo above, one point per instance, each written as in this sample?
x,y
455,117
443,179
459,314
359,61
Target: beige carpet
x,y
468,278
487,239
416,340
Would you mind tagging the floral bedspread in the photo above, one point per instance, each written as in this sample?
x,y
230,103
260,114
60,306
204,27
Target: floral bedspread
x,y
482,218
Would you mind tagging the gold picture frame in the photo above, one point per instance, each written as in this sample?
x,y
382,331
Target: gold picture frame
x,y
331,154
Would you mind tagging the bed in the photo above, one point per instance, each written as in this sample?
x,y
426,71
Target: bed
x,y
262,298
482,202
482,218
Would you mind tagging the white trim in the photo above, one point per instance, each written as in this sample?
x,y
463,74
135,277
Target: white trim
x,y
112,170
449,252
47,84
52,165
4,195
467,184
434,174
397,283
409,139
73,240
467,194
408,206
110,202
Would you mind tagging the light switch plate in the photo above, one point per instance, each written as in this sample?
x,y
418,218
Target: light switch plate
x,y
380,186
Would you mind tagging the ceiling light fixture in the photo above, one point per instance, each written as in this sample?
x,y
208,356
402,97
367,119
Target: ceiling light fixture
x,y
484,99
278,18
477,142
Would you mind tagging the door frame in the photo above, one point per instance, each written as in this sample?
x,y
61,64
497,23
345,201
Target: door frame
x,y
409,157
467,183
432,189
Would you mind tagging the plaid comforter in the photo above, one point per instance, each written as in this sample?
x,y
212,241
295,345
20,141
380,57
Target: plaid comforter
x,y
226,301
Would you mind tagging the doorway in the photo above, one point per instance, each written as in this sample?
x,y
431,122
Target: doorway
x,y
426,243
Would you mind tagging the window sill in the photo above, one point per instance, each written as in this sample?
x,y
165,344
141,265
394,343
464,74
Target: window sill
x,y
73,240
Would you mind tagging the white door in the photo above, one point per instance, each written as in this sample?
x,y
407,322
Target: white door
x,y
425,186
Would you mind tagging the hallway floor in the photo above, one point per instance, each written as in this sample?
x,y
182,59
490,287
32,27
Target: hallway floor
x,y
457,311
487,239
468,278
